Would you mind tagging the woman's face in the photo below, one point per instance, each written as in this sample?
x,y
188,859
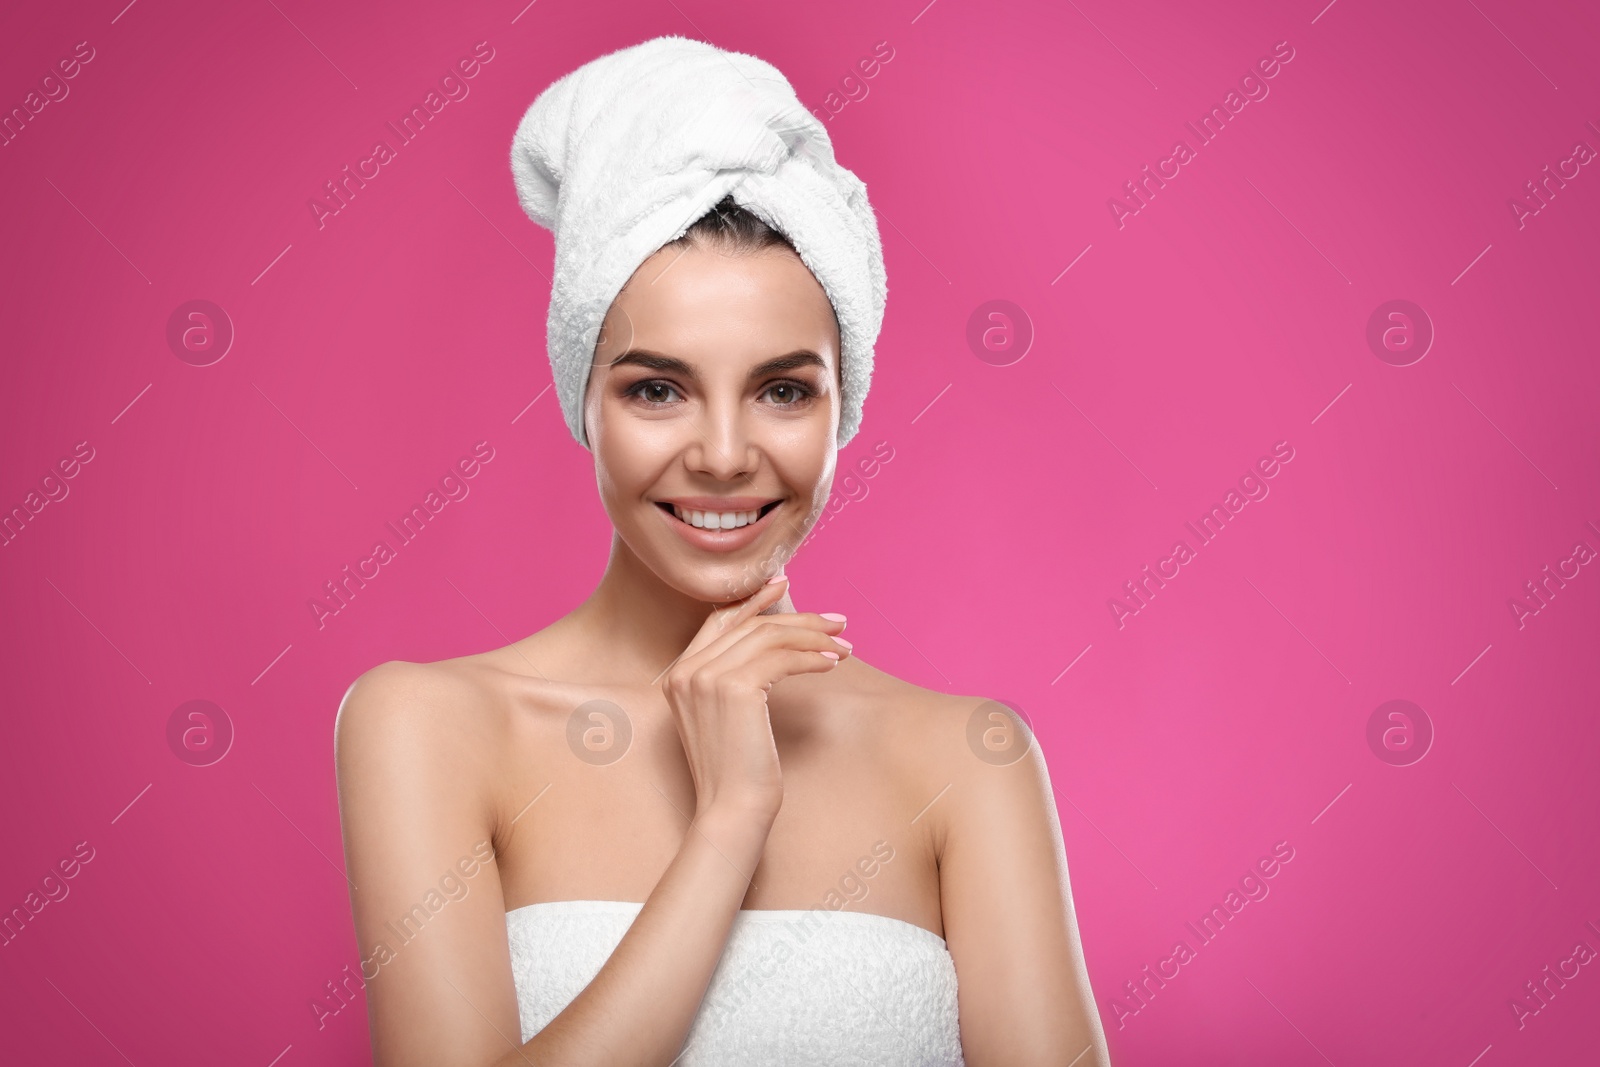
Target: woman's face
x,y
715,389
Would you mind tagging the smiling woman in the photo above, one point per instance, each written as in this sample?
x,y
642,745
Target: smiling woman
x,y
673,774
733,286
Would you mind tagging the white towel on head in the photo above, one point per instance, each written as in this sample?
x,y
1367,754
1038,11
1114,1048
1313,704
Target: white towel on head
x,y
623,154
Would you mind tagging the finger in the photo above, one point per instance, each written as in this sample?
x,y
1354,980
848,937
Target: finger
x,y
764,644
725,620
775,665
787,620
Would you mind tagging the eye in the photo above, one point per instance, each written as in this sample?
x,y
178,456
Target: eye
x,y
793,393
651,391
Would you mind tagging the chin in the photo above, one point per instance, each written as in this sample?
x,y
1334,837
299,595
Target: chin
x,y
718,583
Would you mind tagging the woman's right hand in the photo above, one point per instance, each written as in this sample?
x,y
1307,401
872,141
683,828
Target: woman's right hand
x,y
717,690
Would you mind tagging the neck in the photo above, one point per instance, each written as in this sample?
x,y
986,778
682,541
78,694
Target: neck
x,y
635,624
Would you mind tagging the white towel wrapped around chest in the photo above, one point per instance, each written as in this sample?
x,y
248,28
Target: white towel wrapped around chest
x,y
792,989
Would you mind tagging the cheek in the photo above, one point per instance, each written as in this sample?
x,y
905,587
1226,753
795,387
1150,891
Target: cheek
x,y
625,468
811,474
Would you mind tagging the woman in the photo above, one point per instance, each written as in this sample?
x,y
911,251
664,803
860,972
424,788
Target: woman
x,y
684,822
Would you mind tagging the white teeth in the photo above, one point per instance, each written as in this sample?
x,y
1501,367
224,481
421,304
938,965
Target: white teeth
x,y
717,520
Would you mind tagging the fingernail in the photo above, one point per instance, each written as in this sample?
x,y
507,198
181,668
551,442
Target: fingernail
x,y
776,578
832,616
843,642
831,655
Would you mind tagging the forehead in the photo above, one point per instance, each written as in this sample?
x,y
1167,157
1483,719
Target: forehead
x,y
698,300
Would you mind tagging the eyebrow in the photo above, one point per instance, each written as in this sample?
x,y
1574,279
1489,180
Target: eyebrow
x,y
656,361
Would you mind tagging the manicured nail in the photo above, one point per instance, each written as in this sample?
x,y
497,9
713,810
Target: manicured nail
x,y
832,616
776,578
843,642
831,655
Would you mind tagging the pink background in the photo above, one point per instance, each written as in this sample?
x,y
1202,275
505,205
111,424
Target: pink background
x,y
1230,313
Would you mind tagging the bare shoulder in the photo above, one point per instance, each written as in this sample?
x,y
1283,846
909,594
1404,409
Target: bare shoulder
x,y
972,753
934,727
399,706
419,723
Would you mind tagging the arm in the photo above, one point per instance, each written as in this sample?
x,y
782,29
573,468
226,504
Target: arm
x,y
1009,919
413,765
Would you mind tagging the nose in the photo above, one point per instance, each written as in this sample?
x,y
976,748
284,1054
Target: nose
x,y
722,447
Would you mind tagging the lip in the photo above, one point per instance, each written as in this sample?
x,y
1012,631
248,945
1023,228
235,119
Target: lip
x,y
718,503
719,540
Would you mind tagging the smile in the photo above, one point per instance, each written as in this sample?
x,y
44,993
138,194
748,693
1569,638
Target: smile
x,y
718,530
718,520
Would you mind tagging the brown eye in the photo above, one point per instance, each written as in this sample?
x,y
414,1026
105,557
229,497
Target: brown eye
x,y
652,391
788,394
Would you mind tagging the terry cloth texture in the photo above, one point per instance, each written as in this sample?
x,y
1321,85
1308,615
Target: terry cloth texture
x,y
622,155
792,989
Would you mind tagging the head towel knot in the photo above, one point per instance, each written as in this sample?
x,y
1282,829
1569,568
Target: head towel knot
x,y
623,154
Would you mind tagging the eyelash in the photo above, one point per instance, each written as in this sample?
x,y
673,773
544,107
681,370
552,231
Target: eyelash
x,y
805,391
